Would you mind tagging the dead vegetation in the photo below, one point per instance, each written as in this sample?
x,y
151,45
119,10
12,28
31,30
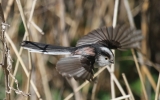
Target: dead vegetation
x,y
33,76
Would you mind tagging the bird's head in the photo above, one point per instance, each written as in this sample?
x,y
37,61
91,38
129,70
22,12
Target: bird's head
x,y
105,57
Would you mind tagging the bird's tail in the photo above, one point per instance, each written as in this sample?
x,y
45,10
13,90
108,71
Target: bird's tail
x,y
46,48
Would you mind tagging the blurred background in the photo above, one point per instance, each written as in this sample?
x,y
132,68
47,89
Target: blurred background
x,y
63,22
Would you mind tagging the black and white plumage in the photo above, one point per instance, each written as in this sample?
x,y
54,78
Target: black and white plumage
x,y
95,47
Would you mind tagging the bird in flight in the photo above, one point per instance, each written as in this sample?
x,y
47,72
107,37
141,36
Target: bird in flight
x,y
93,48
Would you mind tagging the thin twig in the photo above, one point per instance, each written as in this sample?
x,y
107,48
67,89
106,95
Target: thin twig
x,y
150,78
9,66
37,28
130,17
113,95
22,15
29,54
112,66
29,76
115,13
94,90
8,8
4,62
157,88
127,85
23,65
84,83
6,79
140,75
116,81
16,67
133,52
27,32
121,98
43,73
144,48
95,75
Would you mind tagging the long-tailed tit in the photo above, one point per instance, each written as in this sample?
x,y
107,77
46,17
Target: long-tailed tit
x,y
93,48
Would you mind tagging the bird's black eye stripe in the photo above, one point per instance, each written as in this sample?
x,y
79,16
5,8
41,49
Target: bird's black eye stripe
x,y
106,54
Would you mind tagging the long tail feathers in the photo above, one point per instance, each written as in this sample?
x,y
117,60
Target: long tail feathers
x,y
46,48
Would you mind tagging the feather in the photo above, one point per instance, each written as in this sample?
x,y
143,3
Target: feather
x,y
75,66
46,48
113,38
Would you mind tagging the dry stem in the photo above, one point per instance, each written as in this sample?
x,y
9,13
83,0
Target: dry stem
x,y
130,17
22,63
157,89
112,66
127,85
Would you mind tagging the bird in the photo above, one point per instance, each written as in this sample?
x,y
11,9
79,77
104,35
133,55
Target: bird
x,y
91,50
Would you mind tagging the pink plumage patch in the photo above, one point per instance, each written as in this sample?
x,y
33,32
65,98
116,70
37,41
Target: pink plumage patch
x,y
85,51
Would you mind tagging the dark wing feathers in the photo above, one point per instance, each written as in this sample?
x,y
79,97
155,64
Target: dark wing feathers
x,y
88,39
77,66
100,33
125,34
120,30
120,37
105,31
109,32
115,31
130,42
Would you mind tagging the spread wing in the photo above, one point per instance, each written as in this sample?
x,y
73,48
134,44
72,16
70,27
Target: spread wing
x,y
78,67
120,37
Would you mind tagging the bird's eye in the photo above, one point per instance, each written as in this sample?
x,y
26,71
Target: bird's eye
x,y
106,58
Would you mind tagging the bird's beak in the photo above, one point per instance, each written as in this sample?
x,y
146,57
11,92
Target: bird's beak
x,y
111,61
